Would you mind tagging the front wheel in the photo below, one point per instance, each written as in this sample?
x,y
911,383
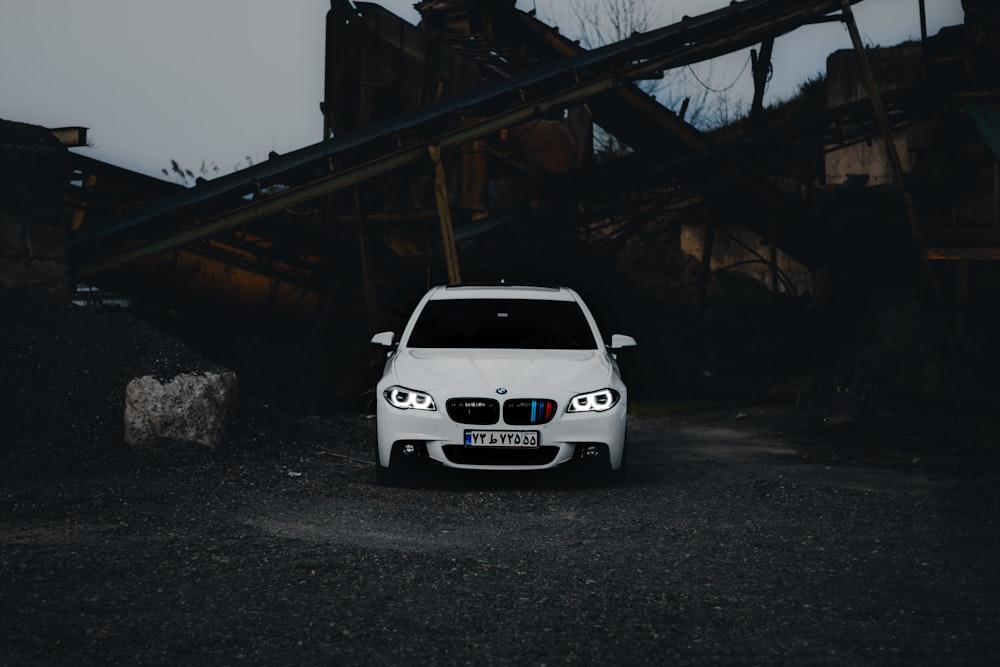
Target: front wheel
x,y
385,475
596,470
619,476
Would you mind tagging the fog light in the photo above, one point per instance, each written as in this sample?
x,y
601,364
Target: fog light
x,y
409,449
591,451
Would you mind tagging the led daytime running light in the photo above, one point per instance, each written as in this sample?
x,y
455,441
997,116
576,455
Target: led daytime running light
x,y
408,399
595,401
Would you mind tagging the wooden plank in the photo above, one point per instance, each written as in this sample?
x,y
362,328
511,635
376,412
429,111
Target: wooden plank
x,y
964,253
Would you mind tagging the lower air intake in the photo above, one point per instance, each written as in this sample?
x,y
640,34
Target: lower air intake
x,y
484,456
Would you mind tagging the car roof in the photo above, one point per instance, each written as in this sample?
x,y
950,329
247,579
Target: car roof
x,y
502,291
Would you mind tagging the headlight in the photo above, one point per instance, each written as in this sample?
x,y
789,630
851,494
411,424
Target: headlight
x,y
595,401
407,399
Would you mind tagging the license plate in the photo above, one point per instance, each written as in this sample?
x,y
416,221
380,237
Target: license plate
x,y
501,438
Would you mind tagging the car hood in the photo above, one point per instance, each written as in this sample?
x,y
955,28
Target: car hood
x,y
516,370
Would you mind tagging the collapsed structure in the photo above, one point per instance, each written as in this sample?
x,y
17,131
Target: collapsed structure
x,y
459,145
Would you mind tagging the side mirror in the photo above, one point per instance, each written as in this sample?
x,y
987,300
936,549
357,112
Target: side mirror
x,y
618,341
384,339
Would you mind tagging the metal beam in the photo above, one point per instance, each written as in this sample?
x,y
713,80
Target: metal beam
x,y
502,105
345,178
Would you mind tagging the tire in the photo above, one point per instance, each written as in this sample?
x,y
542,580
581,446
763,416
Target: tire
x,y
605,475
621,475
383,474
386,475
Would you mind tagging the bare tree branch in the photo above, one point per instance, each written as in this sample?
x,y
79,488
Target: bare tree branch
x,y
708,104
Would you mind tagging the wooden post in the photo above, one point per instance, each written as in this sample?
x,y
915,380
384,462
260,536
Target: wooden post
x,y
80,214
996,199
882,120
371,298
923,23
705,274
444,214
774,259
761,67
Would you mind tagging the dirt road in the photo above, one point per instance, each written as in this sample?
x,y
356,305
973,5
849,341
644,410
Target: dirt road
x,y
737,538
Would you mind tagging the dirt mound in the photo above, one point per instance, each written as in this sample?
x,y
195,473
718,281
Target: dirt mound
x,y
65,369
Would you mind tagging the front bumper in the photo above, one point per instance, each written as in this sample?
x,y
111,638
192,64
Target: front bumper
x,y
432,437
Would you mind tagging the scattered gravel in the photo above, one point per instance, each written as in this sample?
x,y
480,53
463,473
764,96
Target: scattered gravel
x,y
751,536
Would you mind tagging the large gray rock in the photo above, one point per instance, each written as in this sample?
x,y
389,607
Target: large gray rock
x,y
193,408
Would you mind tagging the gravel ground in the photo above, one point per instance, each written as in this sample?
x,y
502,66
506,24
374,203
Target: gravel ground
x,y
769,536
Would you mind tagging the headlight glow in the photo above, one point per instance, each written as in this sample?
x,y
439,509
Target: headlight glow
x,y
594,401
408,399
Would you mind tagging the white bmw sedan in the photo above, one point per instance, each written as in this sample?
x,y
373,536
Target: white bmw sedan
x,y
500,378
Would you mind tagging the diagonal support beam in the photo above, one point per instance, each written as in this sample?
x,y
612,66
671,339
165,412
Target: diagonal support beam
x,y
444,214
890,145
371,298
504,104
348,177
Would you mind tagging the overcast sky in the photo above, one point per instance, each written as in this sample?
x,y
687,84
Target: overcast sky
x,y
224,81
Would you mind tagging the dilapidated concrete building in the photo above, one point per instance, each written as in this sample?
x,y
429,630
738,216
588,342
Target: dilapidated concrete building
x,y
462,149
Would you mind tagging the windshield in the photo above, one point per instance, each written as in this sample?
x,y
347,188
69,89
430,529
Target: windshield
x,y
503,323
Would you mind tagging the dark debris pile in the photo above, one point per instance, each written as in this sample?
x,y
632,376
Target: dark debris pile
x,y
65,369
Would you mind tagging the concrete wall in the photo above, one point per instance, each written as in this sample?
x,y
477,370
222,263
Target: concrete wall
x,y
727,252
893,68
34,216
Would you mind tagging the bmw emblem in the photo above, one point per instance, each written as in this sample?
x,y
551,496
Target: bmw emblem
x,y
501,390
